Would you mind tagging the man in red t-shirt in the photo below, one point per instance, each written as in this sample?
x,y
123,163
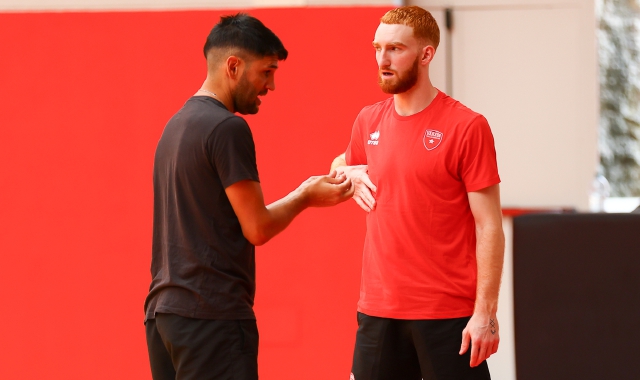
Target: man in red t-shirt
x,y
425,170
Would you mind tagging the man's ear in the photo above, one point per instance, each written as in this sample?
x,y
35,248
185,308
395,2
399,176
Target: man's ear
x,y
428,52
233,66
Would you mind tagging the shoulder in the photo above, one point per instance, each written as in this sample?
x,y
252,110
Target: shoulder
x,y
376,109
458,110
211,115
233,123
462,116
205,110
233,128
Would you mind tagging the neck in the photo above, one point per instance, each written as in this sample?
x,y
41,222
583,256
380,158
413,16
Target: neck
x,y
216,91
415,99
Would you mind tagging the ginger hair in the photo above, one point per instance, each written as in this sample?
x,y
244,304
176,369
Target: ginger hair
x,y
425,27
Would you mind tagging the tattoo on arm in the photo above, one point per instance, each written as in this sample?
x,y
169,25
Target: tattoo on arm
x,y
493,326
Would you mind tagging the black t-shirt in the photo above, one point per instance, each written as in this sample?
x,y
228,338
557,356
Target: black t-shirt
x,y
202,266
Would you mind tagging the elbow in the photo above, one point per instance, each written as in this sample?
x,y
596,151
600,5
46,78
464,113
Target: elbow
x,y
338,162
258,241
258,230
256,236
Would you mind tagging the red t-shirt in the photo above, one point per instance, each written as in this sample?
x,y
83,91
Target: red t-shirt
x,y
419,257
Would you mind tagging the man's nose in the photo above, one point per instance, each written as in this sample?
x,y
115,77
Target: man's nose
x,y
383,59
271,84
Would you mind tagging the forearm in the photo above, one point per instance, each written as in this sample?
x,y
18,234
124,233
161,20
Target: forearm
x,y
490,257
281,213
339,161
260,223
482,332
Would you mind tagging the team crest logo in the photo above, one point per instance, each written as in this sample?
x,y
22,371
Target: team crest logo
x,y
432,139
374,138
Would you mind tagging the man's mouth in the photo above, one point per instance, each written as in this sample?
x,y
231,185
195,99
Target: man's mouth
x,y
258,100
386,73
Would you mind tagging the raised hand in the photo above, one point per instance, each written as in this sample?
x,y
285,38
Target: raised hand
x,y
328,190
364,193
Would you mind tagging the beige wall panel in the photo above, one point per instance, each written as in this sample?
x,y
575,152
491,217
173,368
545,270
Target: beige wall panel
x,y
502,364
438,67
533,75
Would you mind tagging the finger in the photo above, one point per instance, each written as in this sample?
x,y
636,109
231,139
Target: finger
x,y
465,342
474,354
494,349
350,191
367,196
335,180
367,181
344,186
343,191
359,193
333,173
482,354
361,204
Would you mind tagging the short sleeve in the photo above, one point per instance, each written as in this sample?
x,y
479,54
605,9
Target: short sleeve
x,y
232,152
355,153
478,167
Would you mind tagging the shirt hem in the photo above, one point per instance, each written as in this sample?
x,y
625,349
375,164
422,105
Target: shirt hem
x,y
418,315
481,185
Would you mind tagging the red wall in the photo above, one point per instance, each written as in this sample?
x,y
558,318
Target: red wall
x,y
84,98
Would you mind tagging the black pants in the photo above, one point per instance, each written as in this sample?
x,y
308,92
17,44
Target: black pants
x,y
396,349
199,349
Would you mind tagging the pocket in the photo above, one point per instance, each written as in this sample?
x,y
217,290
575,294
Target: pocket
x,y
249,337
245,362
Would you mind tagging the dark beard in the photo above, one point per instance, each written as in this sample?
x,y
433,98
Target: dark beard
x,y
404,82
244,97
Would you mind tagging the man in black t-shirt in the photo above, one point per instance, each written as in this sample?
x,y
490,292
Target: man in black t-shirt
x,y
209,213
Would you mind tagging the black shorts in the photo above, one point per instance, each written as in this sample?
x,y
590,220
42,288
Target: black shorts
x,y
397,349
200,349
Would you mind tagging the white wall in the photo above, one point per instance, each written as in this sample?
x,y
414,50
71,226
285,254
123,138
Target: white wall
x,y
531,68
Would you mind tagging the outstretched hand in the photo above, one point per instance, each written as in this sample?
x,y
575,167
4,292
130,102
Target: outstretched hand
x,y
483,333
327,190
365,190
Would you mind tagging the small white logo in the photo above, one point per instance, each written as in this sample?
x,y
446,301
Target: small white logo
x,y
374,138
352,377
432,139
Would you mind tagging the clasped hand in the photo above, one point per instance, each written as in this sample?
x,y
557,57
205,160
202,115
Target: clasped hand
x,y
365,190
327,190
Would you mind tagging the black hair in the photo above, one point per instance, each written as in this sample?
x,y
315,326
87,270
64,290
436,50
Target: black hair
x,y
246,33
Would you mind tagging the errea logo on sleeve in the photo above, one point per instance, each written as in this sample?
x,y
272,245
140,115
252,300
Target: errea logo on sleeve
x,y
432,139
374,138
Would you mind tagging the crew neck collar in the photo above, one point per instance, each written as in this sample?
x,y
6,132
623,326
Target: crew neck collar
x,y
210,98
437,98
